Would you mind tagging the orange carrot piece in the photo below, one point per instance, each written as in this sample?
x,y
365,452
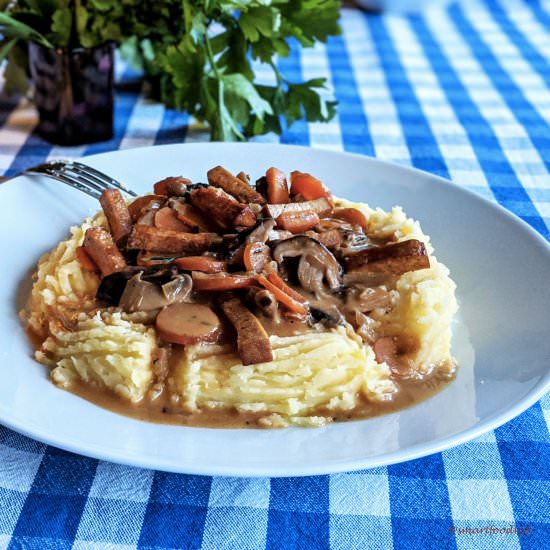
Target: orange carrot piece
x,y
204,264
255,256
218,282
277,187
289,302
298,222
86,262
279,283
309,187
353,216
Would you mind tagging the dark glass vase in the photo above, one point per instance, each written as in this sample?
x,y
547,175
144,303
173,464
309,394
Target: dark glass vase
x,y
73,92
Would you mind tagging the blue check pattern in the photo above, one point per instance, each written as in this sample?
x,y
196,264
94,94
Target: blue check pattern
x,y
462,92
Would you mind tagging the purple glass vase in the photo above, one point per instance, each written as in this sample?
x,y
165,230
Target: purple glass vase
x,y
73,92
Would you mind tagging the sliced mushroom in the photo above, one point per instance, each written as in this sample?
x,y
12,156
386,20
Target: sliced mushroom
x,y
393,351
258,234
329,315
261,232
140,205
367,299
178,289
140,295
267,304
317,264
363,325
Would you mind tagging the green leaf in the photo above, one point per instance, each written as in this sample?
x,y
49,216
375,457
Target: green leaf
x,y
62,26
264,21
239,85
6,47
12,28
303,101
15,74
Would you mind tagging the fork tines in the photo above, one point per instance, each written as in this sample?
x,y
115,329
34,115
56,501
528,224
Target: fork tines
x,y
80,176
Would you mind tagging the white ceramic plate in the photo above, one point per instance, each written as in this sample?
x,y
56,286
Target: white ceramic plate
x,y
500,265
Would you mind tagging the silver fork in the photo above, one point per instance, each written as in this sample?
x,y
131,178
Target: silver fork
x,y
80,176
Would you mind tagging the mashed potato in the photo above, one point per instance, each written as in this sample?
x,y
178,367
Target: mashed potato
x,y
318,370
313,375
61,287
425,301
103,350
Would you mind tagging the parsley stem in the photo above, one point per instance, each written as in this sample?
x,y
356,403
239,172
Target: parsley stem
x,y
210,55
278,74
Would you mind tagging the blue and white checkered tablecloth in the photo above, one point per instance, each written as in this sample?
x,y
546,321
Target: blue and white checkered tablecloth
x,y
462,92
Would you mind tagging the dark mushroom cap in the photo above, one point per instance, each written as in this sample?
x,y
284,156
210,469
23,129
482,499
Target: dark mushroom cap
x,y
317,263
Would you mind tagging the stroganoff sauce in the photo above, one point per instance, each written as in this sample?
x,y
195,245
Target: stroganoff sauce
x,y
162,411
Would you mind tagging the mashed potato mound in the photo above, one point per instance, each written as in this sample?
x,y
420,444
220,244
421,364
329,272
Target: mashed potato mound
x,y
314,371
61,287
424,301
103,350
312,377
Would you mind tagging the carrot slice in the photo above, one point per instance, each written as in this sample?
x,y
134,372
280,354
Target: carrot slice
x,y
255,256
221,282
201,263
309,187
86,262
289,302
353,216
166,218
277,187
279,283
298,222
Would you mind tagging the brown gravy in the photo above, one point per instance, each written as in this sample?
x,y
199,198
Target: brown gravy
x,y
162,411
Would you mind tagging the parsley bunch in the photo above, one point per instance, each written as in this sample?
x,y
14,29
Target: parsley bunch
x,y
201,52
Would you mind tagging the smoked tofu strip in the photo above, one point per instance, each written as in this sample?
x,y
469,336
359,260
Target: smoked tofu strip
x,y
144,237
220,177
392,259
222,208
99,245
252,340
117,213
321,207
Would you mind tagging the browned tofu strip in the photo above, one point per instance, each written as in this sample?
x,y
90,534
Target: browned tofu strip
x,y
252,340
222,208
220,177
117,213
392,259
321,207
243,176
144,237
100,246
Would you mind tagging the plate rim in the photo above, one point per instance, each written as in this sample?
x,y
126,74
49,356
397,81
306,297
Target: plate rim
x,y
419,450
